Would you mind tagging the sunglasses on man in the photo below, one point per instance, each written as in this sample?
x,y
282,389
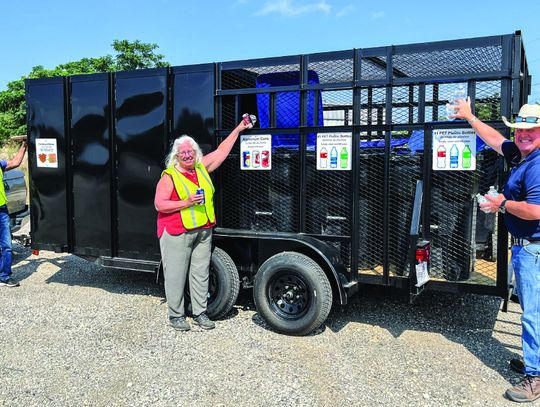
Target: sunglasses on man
x,y
529,119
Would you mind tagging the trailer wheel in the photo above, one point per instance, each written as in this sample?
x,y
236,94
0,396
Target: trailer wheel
x,y
223,286
292,293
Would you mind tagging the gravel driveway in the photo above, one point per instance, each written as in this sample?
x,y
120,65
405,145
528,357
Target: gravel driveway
x,y
76,334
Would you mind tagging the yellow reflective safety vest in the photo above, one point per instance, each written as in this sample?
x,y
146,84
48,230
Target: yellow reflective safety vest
x,y
3,197
194,216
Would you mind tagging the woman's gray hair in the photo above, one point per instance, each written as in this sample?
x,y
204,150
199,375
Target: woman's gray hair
x,y
172,157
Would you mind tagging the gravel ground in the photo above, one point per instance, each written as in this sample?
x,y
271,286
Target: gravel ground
x,y
75,334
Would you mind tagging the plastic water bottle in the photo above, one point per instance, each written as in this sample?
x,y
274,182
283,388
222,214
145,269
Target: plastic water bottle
x,y
493,191
459,93
481,199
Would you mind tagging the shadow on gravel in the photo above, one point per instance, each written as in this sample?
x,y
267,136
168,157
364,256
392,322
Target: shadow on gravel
x,y
467,319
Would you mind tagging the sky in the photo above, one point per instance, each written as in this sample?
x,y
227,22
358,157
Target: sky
x,y
53,32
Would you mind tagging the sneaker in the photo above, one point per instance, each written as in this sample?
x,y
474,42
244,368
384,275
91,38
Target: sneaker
x,y
204,322
9,283
180,324
527,390
517,365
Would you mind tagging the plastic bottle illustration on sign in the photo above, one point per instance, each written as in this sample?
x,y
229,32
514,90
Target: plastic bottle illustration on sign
x,y
333,157
323,158
343,158
441,157
454,156
466,156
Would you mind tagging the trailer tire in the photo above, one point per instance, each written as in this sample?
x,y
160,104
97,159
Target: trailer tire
x,y
223,286
292,293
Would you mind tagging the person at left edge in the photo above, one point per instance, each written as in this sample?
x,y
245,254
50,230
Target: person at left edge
x,y
6,280
185,224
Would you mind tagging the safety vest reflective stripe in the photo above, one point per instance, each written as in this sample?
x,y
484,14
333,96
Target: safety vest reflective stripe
x,y
3,198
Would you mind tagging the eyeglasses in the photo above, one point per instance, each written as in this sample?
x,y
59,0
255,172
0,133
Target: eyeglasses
x,y
529,119
188,152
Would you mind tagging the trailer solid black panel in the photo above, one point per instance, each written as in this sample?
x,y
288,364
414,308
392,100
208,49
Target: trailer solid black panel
x,y
365,212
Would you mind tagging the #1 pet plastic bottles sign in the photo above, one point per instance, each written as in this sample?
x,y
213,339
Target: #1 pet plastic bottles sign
x,y
454,150
46,153
256,152
334,151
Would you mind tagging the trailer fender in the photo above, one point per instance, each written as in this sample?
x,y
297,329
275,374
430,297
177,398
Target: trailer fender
x,y
246,247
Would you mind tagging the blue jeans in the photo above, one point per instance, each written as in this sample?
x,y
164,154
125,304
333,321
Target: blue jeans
x,y
526,263
5,244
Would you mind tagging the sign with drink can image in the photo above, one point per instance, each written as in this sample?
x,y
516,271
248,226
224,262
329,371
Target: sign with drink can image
x,y
454,150
334,151
256,152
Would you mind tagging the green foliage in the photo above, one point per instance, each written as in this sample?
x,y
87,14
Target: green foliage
x,y
129,55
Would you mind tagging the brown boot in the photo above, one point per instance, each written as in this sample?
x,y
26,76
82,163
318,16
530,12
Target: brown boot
x,y
527,390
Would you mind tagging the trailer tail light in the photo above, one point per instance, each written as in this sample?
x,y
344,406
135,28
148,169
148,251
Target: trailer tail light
x,y
422,254
35,252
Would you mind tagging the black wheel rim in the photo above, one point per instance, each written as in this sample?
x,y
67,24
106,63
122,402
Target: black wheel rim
x,y
289,295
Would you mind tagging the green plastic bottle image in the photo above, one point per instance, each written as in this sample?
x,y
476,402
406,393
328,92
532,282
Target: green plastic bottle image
x,y
466,154
343,158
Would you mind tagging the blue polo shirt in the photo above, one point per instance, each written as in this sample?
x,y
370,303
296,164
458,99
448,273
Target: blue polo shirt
x,y
523,184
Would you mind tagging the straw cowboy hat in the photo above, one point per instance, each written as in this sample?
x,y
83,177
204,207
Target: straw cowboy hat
x,y
527,118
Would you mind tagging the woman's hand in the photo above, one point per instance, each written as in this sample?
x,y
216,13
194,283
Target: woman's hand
x,y
243,126
195,199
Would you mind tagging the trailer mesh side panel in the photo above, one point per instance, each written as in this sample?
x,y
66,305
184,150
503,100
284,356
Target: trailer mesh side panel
x,y
246,77
404,170
337,70
328,204
337,107
373,67
372,108
404,104
370,209
440,63
263,200
458,227
488,100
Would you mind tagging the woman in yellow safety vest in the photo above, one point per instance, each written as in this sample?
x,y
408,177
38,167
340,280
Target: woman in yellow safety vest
x,y
185,220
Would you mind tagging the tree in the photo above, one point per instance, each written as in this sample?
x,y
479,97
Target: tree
x,y
129,55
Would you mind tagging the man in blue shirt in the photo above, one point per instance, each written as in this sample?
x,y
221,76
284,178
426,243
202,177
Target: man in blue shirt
x,y
5,230
520,204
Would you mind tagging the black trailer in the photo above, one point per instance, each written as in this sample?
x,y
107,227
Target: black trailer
x,y
302,236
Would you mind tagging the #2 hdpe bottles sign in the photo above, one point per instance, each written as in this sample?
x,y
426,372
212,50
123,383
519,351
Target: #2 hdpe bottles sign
x,y
454,150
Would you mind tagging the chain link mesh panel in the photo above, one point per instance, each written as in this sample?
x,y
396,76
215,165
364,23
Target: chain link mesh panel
x,y
437,63
263,200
